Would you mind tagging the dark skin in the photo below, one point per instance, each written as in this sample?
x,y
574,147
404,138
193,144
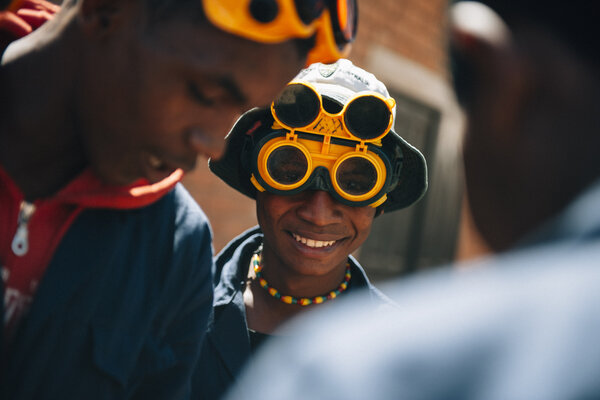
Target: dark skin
x,y
531,142
301,269
138,101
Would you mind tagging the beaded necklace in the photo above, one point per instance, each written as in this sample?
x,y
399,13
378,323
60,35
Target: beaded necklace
x,y
303,301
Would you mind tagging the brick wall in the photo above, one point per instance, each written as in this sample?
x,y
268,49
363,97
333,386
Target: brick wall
x,y
229,212
414,29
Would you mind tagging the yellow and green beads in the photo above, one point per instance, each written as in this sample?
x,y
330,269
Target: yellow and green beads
x,y
303,301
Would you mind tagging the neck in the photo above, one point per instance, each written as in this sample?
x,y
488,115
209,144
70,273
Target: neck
x,y
265,313
40,146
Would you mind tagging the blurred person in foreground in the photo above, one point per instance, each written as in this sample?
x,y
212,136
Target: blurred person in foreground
x,y
321,163
524,323
106,260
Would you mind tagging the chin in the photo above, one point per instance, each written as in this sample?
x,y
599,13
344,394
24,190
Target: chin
x,y
115,178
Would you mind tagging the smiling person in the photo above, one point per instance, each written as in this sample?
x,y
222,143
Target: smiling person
x,y
520,324
106,260
321,163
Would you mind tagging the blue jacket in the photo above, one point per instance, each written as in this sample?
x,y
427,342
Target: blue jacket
x,y
227,345
121,310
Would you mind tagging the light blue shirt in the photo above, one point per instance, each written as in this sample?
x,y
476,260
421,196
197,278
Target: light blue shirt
x,y
521,326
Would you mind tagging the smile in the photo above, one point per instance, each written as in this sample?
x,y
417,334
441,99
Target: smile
x,y
312,242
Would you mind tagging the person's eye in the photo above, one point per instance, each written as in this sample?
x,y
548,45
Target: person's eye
x,y
199,96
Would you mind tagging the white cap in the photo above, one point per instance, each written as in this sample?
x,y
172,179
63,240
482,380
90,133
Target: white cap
x,y
342,80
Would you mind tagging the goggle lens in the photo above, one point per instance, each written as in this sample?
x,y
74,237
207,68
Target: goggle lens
x,y
297,106
367,117
263,11
309,10
356,176
287,165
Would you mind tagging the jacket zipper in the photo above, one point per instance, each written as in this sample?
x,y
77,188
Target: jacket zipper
x,y
20,243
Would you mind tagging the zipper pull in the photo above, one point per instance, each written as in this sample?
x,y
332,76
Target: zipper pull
x,y
20,243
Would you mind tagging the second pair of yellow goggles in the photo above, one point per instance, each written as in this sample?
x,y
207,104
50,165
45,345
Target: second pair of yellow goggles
x,y
332,22
310,148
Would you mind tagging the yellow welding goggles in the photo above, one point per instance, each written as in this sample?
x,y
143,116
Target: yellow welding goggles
x,y
332,22
309,148
356,174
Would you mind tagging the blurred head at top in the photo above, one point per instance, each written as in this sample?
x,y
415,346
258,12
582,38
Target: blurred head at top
x,y
152,84
526,73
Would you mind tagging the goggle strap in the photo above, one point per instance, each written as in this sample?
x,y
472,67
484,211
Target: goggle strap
x,y
256,184
379,202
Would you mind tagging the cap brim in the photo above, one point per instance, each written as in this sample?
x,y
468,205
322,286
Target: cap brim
x,y
412,183
229,167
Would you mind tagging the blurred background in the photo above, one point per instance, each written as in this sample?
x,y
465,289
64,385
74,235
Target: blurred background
x,y
403,44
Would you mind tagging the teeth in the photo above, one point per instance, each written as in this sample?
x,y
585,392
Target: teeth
x,y
313,243
155,162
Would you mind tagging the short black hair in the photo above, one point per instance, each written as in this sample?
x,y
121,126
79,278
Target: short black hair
x,y
160,10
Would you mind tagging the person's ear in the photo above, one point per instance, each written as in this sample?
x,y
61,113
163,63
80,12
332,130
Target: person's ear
x,y
478,36
488,69
101,16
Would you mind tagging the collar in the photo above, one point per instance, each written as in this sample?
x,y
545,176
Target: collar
x,y
87,191
232,263
228,330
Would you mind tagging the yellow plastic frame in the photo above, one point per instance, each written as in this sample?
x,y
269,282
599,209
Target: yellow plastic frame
x,y
326,123
325,154
232,16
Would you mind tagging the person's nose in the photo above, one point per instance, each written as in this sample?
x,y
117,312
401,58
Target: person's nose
x,y
319,208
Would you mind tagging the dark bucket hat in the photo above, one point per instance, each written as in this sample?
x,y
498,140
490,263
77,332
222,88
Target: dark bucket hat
x,y
338,82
